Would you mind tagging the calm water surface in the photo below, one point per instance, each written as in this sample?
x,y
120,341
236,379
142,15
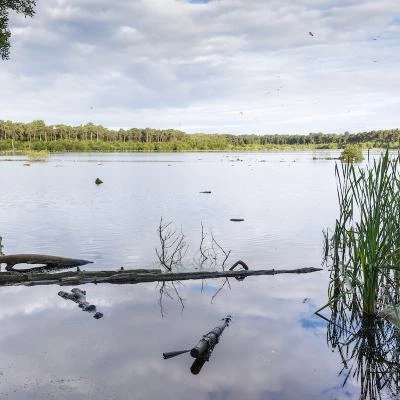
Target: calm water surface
x,y
275,347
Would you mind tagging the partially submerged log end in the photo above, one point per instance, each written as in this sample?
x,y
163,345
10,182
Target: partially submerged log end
x,y
47,262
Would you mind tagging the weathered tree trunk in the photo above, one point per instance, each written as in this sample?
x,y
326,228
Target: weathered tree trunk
x,y
131,276
50,262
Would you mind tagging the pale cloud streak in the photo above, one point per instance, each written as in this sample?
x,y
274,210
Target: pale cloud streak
x,y
219,66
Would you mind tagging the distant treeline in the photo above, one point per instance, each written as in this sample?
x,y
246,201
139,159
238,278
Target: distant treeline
x,y
37,135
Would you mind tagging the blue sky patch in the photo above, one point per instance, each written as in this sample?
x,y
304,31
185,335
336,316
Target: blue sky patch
x,y
312,323
206,288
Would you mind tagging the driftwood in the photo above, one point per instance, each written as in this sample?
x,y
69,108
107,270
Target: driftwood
x,y
132,276
50,262
202,351
78,296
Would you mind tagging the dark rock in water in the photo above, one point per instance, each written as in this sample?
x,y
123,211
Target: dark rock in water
x,y
206,191
236,219
98,181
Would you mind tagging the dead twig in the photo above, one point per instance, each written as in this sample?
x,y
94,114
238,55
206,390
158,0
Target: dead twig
x,y
173,247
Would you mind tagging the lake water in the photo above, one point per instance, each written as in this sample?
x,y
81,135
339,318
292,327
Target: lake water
x,y
275,347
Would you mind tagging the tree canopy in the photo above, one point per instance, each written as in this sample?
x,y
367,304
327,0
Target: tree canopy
x,y
25,7
37,135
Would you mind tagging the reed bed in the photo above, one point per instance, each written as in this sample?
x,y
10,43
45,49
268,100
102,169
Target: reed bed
x,y
363,249
37,155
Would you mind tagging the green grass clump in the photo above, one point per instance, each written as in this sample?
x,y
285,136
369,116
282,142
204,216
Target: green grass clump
x,y
37,155
352,153
364,247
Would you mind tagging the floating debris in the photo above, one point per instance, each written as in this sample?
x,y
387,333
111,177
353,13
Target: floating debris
x,y
98,181
310,33
236,219
79,296
202,351
206,191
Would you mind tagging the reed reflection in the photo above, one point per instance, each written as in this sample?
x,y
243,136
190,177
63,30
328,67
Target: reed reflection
x,y
369,349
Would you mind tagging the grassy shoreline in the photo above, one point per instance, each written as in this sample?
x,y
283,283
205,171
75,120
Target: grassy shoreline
x,y
8,147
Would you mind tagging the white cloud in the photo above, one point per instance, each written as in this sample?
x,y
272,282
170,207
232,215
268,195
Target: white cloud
x,y
223,66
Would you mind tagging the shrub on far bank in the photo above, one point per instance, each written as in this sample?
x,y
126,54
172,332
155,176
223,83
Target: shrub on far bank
x,y
37,155
352,153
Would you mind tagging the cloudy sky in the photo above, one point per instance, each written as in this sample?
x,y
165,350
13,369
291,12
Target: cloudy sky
x,y
226,66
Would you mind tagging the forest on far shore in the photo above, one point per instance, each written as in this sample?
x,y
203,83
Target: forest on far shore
x,y
36,135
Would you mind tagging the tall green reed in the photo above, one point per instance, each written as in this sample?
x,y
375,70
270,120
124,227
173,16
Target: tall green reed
x,y
364,247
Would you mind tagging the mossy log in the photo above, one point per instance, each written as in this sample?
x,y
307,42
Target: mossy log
x,y
132,276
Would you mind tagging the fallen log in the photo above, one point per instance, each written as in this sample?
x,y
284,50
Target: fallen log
x,y
132,276
50,262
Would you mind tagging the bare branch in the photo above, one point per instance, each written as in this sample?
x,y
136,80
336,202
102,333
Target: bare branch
x,y
203,236
209,253
173,246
